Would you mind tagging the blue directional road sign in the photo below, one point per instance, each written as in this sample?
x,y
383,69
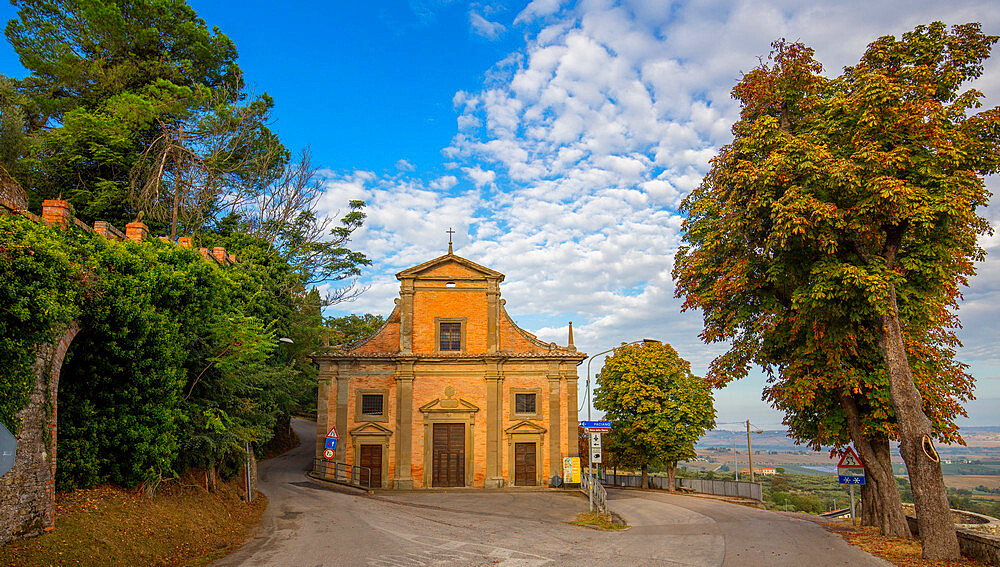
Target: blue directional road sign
x,y
852,479
596,425
331,443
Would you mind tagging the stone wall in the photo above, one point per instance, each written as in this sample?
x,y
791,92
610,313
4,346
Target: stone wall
x,y
978,545
27,491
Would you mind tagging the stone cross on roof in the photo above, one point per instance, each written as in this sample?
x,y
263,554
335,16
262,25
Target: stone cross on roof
x,y
450,232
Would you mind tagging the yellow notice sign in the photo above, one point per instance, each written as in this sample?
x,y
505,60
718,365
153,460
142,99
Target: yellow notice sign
x,y
571,470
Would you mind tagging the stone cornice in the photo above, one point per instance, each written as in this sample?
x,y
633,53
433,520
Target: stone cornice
x,y
338,356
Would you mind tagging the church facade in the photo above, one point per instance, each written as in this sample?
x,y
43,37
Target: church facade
x,y
450,391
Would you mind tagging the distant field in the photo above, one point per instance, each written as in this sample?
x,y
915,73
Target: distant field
x,y
970,481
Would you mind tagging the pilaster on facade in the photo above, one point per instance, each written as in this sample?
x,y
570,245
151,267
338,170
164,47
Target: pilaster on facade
x,y
343,391
326,415
403,471
493,377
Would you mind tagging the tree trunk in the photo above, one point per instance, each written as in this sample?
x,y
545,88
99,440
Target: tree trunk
x,y
883,508
934,521
211,477
671,475
178,184
645,478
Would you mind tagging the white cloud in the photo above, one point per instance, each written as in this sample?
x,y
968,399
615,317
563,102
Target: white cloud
x,y
485,28
444,182
480,176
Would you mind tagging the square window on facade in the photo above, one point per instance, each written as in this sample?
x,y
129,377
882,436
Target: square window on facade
x,y
451,336
524,403
371,404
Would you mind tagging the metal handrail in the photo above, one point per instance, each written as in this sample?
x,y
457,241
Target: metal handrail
x,y
599,493
343,473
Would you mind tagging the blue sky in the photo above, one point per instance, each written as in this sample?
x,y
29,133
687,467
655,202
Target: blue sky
x,y
558,139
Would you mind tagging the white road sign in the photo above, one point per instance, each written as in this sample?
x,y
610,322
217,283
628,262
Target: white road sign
x,y
595,441
595,456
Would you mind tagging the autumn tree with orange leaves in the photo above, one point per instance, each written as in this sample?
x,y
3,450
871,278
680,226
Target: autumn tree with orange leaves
x,y
829,242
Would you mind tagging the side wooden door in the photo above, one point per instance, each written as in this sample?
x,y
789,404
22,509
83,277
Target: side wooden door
x,y
371,457
448,455
525,472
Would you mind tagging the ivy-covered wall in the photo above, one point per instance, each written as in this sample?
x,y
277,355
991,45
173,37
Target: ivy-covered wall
x,y
171,366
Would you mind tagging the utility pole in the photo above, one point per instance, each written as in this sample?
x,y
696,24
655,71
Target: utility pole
x,y
736,460
749,451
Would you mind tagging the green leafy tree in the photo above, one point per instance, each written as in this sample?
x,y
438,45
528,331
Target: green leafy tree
x,y
347,328
657,407
829,241
16,143
103,75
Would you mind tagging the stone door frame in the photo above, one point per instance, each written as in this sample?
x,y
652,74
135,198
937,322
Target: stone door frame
x,y
372,434
526,432
449,410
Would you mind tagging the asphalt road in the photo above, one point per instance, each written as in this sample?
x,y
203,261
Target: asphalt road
x,y
307,524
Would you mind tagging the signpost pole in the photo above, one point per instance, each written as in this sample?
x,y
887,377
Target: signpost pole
x,y
854,519
590,475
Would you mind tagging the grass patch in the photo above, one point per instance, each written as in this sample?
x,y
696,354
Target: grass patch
x,y
183,524
898,551
597,521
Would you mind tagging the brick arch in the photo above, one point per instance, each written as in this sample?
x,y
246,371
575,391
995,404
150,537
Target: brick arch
x,y
27,491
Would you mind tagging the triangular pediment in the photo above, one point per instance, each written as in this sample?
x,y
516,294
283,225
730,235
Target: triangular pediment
x,y
371,429
450,265
453,405
525,427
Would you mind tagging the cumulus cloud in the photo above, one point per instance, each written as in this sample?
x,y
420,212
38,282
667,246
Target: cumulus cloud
x,y
582,145
480,176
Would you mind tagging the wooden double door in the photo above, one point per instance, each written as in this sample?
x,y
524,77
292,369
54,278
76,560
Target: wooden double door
x,y
525,465
448,454
371,457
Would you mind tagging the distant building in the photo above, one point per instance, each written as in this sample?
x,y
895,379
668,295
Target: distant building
x,y
766,471
450,392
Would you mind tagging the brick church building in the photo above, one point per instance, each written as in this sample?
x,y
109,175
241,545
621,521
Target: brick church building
x,y
450,391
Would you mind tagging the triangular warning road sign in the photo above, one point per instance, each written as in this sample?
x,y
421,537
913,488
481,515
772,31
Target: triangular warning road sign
x,y
850,460
333,433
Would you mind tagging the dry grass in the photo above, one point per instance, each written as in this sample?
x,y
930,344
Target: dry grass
x,y
898,551
597,521
183,524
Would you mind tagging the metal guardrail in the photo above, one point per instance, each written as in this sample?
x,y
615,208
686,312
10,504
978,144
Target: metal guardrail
x,y
837,513
343,473
751,490
600,494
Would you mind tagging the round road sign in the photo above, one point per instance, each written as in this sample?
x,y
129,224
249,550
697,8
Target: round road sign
x,y
328,453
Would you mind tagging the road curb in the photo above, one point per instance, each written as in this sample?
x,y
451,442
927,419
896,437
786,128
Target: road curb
x,y
338,487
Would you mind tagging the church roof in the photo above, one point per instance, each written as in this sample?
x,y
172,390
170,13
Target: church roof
x,y
415,271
